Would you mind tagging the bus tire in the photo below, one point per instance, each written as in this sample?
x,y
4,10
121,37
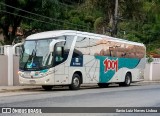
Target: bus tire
x,y
103,85
47,87
127,80
75,85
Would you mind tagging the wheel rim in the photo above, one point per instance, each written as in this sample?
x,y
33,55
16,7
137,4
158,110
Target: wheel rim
x,y
76,82
128,80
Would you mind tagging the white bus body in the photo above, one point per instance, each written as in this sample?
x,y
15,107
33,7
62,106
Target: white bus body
x,y
73,58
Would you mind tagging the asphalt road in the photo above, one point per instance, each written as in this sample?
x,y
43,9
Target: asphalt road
x,y
137,95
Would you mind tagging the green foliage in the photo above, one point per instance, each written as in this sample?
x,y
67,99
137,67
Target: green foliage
x,y
149,59
99,24
138,20
2,43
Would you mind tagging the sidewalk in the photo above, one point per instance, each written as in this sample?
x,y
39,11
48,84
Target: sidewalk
x,y
148,82
17,88
21,88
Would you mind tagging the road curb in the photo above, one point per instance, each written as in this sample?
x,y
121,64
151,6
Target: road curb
x,y
17,88
149,82
27,88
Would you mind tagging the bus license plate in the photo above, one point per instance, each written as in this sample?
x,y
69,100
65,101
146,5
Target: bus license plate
x,y
32,82
27,74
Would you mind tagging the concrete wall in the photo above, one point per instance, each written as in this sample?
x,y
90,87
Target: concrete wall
x,y
152,70
156,72
146,72
3,70
15,70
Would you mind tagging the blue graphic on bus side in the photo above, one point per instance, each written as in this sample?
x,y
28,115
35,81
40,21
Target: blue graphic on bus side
x,y
77,61
110,65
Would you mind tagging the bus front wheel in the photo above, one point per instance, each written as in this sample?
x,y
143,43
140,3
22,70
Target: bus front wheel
x,y
75,85
47,87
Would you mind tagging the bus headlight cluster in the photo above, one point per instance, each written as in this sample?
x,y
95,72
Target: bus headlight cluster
x,y
42,74
20,74
45,74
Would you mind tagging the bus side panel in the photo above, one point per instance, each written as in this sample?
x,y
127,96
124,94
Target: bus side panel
x,y
73,70
119,76
89,69
92,69
109,66
103,69
137,72
61,75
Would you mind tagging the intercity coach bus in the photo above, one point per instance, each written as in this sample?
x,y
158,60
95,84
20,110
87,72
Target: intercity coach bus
x,y
72,58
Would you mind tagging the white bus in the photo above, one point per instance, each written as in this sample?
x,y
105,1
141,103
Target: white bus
x,y
73,58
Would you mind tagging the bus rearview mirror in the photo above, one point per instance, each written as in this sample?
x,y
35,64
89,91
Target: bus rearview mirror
x,y
16,45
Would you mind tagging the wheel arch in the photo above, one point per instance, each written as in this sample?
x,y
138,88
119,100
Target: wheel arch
x,y
130,73
79,72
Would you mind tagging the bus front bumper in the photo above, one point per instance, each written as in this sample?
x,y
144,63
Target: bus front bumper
x,y
47,80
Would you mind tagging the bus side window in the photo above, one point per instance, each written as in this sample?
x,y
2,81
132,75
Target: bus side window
x,y
76,53
66,53
77,58
59,54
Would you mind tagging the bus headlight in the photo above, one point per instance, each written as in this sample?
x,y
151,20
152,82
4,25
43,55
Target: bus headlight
x,y
20,74
42,74
37,73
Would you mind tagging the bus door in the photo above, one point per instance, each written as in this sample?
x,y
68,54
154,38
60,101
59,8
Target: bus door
x,y
61,71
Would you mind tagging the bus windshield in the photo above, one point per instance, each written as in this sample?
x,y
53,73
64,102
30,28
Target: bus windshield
x,y
35,55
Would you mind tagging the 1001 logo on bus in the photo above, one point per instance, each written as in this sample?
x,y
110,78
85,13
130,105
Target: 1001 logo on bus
x,y
110,65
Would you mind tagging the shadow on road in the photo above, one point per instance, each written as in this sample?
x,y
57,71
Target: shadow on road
x,y
66,88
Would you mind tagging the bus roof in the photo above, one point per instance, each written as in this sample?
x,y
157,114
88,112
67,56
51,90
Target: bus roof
x,y
50,34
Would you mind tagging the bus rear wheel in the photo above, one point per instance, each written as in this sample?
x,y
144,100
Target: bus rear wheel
x,y
75,85
103,85
47,87
127,81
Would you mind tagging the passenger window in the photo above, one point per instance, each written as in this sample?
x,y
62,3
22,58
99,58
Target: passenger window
x,y
82,45
76,53
62,49
59,54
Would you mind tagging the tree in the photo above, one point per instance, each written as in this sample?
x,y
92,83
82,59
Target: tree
x,y
10,17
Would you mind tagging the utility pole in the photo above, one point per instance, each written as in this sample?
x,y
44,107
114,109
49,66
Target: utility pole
x,y
115,21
